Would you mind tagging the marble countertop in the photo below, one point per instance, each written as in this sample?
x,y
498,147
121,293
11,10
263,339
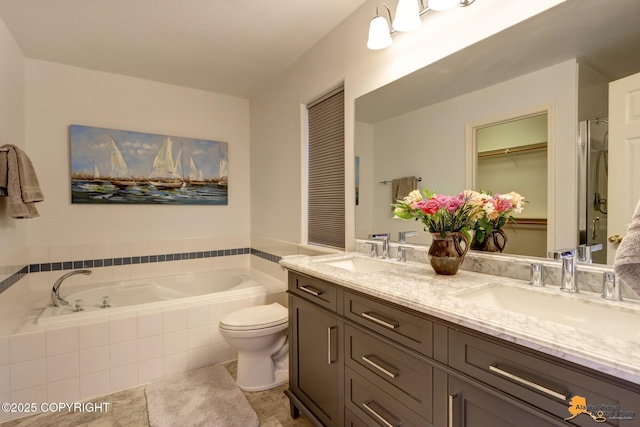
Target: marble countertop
x,y
416,286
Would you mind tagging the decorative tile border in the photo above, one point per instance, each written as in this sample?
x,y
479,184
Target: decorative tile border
x,y
265,255
109,262
13,279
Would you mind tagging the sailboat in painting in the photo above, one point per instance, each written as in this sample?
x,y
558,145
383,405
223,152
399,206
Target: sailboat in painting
x,y
119,171
195,174
165,173
96,172
223,181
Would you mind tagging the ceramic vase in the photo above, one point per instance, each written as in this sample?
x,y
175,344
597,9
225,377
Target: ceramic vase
x,y
447,253
493,242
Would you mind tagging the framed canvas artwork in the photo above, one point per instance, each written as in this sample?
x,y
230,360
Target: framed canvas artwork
x,y
124,167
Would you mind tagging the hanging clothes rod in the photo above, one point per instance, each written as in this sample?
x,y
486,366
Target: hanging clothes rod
x,y
513,150
389,182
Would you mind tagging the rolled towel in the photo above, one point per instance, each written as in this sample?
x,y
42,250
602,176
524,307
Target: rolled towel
x,y
627,261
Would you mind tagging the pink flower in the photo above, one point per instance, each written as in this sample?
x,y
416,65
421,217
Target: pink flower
x,y
502,205
430,206
450,203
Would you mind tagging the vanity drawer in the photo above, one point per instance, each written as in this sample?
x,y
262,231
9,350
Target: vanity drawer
x,y
351,420
538,381
401,374
375,407
318,291
405,328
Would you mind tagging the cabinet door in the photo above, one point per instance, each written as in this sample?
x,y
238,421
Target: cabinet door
x,y
471,407
317,371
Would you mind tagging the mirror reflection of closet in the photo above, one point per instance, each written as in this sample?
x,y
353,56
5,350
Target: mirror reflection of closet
x,y
512,156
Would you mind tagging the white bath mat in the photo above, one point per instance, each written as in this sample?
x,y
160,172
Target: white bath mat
x,y
202,397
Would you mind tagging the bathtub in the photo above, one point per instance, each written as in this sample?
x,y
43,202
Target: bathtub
x,y
159,293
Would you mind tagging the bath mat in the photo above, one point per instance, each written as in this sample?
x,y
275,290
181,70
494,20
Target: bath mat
x,y
202,397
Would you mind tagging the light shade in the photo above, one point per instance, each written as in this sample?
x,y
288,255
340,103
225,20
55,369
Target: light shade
x,y
407,16
379,34
440,5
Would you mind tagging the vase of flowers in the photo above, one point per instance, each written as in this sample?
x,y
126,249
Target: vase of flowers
x,y
448,219
497,211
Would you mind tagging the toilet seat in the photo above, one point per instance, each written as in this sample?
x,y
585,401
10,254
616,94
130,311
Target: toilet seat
x,y
258,317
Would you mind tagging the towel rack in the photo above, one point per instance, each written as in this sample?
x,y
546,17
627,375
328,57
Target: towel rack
x,y
4,150
385,182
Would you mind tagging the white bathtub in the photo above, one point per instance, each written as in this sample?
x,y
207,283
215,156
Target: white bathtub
x,y
131,296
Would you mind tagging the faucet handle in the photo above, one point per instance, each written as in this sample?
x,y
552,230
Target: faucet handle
x,y
537,275
610,288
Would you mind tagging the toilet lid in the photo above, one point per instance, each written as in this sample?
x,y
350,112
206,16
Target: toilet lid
x,y
258,317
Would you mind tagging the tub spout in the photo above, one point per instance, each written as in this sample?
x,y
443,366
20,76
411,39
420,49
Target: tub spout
x,y
56,299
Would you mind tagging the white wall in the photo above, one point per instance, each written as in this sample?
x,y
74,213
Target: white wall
x,y
277,143
12,130
59,95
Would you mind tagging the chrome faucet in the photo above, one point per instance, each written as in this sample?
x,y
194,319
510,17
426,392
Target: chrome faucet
x,y
584,254
56,299
568,283
402,250
386,238
402,235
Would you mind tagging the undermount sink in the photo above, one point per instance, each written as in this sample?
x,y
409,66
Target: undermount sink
x,y
588,315
359,265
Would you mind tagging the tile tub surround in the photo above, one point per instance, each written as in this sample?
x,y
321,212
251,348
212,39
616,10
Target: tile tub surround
x,y
80,362
514,266
417,287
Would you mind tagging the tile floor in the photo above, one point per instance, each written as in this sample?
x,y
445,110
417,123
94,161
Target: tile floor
x,y
128,408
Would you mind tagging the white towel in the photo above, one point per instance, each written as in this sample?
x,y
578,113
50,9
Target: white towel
x,y
19,182
627,261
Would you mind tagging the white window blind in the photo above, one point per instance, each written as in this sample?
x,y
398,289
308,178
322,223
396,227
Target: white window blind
x,y
326,171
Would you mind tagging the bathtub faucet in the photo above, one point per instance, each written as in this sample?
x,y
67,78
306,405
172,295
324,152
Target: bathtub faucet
x,y
56,299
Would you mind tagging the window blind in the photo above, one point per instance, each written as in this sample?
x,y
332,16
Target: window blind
x,y
326,171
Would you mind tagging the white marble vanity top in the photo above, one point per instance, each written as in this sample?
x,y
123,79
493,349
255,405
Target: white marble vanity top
x,y
416,286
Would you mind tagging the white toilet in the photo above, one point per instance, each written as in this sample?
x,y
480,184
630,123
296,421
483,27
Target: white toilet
x,y
260,335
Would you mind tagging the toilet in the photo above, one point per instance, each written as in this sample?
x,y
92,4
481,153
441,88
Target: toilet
x,y
260,335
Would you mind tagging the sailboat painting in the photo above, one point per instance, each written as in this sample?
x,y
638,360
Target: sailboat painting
x,y
111,166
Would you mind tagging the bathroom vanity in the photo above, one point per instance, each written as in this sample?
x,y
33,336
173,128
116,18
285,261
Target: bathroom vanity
x,y
400,348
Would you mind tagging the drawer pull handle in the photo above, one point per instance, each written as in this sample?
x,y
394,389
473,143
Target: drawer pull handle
x,y
369,315
393,373
368,406
528,383
308,289
450,407
330,359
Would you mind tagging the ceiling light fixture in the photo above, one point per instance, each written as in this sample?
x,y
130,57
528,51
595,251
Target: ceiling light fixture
x,y
408,13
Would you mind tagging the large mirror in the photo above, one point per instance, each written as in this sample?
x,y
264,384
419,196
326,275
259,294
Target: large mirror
x,y
557,64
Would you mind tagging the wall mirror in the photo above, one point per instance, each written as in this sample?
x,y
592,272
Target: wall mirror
x,y
421,124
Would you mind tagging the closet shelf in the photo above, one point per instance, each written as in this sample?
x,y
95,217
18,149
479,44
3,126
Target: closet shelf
x,y
518,149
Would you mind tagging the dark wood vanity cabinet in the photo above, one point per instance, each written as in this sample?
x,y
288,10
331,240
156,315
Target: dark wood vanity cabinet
x,y
356,360
316,373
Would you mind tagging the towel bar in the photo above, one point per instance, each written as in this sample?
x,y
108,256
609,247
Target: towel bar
x,y
390,181
6,150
